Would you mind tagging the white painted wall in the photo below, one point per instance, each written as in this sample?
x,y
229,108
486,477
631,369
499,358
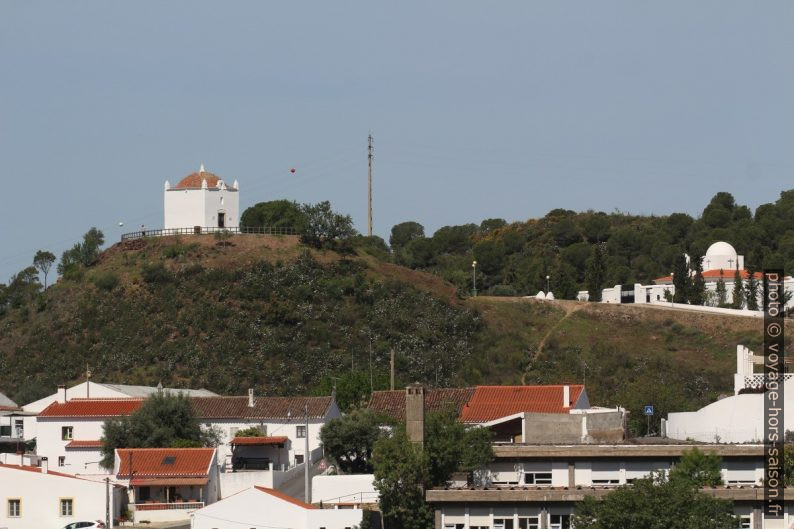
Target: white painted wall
x,y
252,507
49,443
40,495
186,208
352,488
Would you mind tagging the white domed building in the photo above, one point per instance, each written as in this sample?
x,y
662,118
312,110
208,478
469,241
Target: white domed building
x,y
202,200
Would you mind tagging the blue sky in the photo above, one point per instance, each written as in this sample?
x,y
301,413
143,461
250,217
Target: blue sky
x,y
478,109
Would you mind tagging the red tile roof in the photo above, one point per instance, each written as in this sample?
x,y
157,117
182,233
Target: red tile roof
x,y
10,408
92,408
282,496
727,275
36,469
493,402
84,444
392,403
193,181
259,441
157,462
205,407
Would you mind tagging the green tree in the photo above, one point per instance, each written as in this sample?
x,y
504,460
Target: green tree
x,y
751,290
738,291
83,253
405,232
699,468
164,420
681,280
43,261
451,446
655,503
251,431
274,214
492,224
595,276
324,226
22,288
349,440
697,292
722,292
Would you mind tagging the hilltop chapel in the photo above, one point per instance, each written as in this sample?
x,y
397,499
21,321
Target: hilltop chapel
x,y
202,200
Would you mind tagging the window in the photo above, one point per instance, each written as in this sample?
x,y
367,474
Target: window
x,y
745,521
532,522
5,431
67,505
502,523
298,459
560,521
300,432
61,461
14,508
537,478
66,433
454,526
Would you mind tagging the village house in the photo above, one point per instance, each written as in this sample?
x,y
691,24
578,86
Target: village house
x,y
35,496
264,507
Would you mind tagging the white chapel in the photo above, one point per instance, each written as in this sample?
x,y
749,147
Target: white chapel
x,y
202,200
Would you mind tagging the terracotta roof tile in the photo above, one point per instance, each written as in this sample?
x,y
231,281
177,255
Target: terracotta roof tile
x,y
727,275
193,181
392,403
165,462
84,444
37,470
259,441
282,496
92,408
493,402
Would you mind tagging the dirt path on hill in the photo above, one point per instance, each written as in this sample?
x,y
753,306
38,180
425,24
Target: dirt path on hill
x,y
569,309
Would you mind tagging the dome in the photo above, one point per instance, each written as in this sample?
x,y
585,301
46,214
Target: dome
x,y
193,181
721,249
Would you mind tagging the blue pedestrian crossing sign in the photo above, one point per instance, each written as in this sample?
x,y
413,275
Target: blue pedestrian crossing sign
x,y
648,410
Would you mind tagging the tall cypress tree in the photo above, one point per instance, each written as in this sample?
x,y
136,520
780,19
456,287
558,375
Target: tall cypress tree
x,y
595,274
697,292
681,280
751,290
722,292
738,291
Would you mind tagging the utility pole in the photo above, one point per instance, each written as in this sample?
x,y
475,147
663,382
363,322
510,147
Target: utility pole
x,y
392,369
107,502
307,459
370,151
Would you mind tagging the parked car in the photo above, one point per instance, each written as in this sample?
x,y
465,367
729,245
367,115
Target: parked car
x,y
81,525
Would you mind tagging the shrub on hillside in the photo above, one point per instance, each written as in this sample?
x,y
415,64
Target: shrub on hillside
x,y
155,273
106,280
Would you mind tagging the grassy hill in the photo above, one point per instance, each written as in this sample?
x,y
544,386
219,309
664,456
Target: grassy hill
x,y
268,313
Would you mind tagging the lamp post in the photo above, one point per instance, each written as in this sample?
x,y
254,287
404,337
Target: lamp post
x,y
547,284
474,278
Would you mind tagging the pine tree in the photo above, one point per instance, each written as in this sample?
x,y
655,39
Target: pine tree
x,y
595,274
722,292
751,290
681,280
738,291
697,292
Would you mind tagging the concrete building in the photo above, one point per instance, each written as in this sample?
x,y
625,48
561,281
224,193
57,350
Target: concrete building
x,y
264,507
735,419
516,414
201,200
537,486
167,484
39,497
347,490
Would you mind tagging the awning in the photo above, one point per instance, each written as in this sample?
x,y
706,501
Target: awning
x,y
93,444
167,482
259,441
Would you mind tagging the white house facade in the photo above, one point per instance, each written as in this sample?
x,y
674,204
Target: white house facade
x,y
264,507
201,200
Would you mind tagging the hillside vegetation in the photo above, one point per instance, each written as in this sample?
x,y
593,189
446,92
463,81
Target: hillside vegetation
x,y
266,312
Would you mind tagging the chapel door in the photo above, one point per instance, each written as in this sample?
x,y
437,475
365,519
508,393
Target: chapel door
x,y
221,220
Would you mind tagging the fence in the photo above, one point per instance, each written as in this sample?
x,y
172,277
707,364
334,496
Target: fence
x,y
198,230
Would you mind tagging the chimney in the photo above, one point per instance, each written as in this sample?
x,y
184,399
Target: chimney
x,y
415,413
566,396
250,397
62,393
44,465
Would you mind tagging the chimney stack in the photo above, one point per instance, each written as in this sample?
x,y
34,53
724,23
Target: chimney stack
x,y
62,393
566,396
415,413
250,397
44,465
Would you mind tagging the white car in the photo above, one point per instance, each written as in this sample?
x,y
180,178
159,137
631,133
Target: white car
x,y
80,525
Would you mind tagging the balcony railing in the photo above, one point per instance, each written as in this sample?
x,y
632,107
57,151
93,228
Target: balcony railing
x,y
198,230
179,505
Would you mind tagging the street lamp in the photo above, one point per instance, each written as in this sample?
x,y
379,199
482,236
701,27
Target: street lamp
x,y
474,278
547,284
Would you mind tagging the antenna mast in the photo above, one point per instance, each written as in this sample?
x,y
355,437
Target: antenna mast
x,y
370,151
